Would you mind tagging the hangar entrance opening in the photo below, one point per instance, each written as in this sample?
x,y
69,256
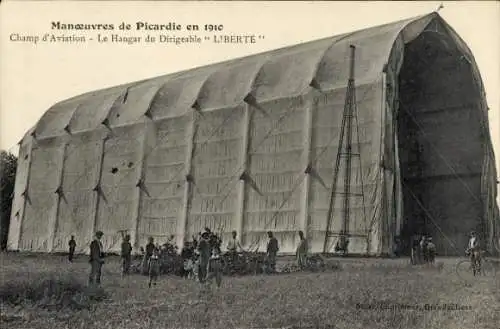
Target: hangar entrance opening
x,y
440,149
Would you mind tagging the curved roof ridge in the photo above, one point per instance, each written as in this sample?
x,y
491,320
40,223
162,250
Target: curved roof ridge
x,y
178,74
316,68
329,60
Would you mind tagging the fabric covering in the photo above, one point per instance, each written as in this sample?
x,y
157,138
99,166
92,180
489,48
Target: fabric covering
x,y
226,146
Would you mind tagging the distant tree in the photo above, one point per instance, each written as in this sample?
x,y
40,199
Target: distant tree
x,y
8,167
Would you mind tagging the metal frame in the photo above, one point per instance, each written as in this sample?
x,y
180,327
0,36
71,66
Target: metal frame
x,y
345,152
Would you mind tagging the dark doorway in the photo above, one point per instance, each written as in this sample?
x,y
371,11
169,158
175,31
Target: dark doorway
x,y
440,143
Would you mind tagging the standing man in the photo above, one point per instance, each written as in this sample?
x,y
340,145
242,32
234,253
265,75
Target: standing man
x,y
148,253
154,267
302,251
96,259
474,253
126,254
423,249
72,247
187,254
233,246
415,242
204,251
272,251
431,251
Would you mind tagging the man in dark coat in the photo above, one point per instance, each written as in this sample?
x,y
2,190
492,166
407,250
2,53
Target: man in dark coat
x,y
96,259
415,244
126,254
187,254
72,247
204,251
149,252
272,251
431,251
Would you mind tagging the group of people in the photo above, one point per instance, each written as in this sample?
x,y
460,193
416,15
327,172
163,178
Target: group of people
x,y
423,250
200,256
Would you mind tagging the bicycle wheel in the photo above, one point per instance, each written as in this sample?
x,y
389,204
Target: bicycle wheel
x,y
496,244
464,270
488,269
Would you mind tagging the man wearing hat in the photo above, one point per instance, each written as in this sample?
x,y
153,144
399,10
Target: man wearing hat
x,y
96,259
431,251
474,252
126,254
272,251
204,252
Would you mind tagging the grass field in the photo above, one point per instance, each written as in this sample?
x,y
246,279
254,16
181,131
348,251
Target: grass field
x,y
336,299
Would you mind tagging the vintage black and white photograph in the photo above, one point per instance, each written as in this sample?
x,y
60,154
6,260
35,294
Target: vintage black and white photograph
x,y
250,164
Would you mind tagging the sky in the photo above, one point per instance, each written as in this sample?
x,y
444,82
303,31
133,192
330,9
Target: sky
x,y
36,76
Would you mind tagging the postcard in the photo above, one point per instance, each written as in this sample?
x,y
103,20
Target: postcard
x,y
250,164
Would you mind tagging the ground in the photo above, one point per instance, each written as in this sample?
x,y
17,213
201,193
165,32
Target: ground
x,y
364,293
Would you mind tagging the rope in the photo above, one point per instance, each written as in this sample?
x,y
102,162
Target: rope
x,y
298,183
210,137
194,156
144,133
112,202
258,145
242,166
360,162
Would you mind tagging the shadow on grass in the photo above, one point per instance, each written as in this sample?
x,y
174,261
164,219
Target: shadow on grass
x,y
49,291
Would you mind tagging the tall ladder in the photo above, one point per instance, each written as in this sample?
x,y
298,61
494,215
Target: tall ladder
x,y
345,153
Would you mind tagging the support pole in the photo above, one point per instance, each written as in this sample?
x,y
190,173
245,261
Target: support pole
x,y
306,161
97,187
395,174
347,177
385,218
139,192
245,130
25,195
183,220
59,193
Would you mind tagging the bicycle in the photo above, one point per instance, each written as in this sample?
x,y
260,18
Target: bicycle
x,y
467,270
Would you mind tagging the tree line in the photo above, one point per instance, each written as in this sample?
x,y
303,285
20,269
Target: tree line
x,y
8,167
